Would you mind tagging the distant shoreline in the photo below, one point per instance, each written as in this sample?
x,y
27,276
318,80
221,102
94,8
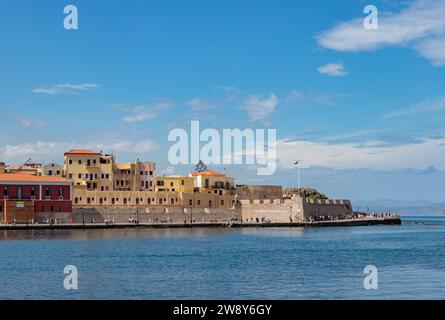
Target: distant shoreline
x,y
334,223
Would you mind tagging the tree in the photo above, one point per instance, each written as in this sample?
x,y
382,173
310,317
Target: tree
x,y
309,193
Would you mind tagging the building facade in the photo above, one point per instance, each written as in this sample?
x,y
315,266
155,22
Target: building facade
x,y
212,182
35,169
23,196
175,184
89,169
53,170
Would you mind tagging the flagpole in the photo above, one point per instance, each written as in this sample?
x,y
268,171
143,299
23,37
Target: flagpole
x,y
297,163
298,170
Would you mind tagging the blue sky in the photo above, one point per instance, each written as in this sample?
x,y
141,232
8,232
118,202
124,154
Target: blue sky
x,y
366,111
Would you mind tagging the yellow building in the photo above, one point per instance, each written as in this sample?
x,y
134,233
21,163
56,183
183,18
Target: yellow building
x,y
93,171
2,167
175,184
212,182
134,176
34,169
89,169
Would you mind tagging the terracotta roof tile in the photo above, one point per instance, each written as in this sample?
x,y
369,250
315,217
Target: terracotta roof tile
x,y
82,151
24,177
207,173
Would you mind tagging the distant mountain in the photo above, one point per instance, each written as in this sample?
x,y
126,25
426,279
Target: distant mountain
x,y
407,208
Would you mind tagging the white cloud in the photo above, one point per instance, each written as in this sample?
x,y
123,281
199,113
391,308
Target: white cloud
x,y
259,109
126,147
31,123
425,106
201,105
433,49
53,151
421,26
362,155
168,171
333,69
295,95
143,112
67,88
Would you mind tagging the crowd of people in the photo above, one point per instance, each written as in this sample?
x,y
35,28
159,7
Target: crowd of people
x,y
355,215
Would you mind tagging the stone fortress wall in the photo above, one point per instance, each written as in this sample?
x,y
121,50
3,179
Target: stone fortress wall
x,y
257,204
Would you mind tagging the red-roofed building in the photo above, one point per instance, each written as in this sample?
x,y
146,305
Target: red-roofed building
x,y
23,196
212,182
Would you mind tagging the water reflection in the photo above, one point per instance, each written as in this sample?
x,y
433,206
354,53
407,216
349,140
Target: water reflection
x,y
87,234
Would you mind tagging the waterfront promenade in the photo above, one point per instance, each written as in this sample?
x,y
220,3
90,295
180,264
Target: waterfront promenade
x,y
368,221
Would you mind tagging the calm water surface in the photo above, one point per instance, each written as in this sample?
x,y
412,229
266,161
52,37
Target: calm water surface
x,y
275,263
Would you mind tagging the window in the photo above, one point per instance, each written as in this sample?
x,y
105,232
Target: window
x,y
33,192
206,183
141,173
182,182
94,161
52,208
70,161
199,202
79,176
61,192
19,193
86,175
151,173
58,172
107,176
70,175
190,202
47,191
50,172
171,184
5,191
222,202
210,203
172,201
76,200
102,176
79,161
